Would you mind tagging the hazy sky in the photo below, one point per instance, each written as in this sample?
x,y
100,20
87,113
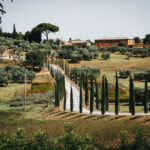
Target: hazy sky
x,y
81,19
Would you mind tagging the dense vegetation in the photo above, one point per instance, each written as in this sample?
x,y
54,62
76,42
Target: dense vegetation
x,y
15,74
71,141
77,53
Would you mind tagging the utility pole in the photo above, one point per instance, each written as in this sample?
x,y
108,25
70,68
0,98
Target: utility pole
x,y
25,94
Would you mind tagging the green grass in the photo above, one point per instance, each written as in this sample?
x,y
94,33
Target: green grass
x,y
111,93
42,87
7,93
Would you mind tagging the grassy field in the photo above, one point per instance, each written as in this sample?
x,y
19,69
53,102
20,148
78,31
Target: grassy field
x,y
116,63
104,130
12,89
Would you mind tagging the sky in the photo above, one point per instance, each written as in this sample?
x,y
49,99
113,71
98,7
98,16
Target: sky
x,y
80,19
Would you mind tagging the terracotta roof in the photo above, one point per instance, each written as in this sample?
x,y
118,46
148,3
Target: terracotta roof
x,y
115,38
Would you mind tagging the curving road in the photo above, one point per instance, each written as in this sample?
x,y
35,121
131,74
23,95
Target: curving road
x,y
76,99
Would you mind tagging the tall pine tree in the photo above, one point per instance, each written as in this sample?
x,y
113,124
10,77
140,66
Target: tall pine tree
x,y
116,96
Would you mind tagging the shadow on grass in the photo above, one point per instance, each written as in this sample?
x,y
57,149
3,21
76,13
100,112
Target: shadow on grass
x,y
145,121
89,117
136,117
101,117
55,112
71,114
79,116
116,118
62,113
49,111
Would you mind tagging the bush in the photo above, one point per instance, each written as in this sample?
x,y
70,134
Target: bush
x,y
15,74
105,56
34,98
124,73
113,49
3,81
140,75
139,94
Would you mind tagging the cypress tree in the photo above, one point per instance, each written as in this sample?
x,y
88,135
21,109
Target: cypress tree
x,y
14,34
146,96
64,99
116,96
86,91
106,91
132,97
103,98
80,97
56,96
71,100
91,96
97,96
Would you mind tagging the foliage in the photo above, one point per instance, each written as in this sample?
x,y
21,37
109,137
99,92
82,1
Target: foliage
x,y
140,95
71,100
122,43
97,96
77,54
147,39
142,75
103,97
116,96
105,56
137,39
146,99
35,58
131,97
3,81
15,74
46,28
81,99
113,49
124,73
77,71
34,98
91,95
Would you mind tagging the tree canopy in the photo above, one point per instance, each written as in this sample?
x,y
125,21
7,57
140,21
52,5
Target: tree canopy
x,y
46,28
2,11
137,39
147,39
35,58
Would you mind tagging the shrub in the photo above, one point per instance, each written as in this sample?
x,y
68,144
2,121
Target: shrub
x,y
113,49
33,98
139,94
124,73
105,56
3,81
140,75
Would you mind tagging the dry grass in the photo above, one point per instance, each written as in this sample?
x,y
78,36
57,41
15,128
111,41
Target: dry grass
x,y
7,93
105,130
